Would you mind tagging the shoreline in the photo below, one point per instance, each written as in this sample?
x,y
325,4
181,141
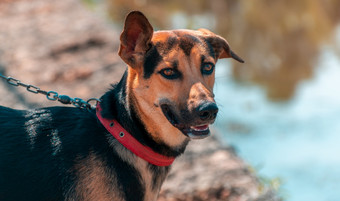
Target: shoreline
x,y
209,170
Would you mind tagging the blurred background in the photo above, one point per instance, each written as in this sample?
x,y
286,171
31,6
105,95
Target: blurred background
x,y
280,110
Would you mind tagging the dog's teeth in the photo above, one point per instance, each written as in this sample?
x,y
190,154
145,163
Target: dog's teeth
x,y
200,128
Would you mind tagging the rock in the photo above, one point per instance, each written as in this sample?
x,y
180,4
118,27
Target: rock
x,y
209,171
58,46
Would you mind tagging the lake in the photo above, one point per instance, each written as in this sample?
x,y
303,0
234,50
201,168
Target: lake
x,y
296,140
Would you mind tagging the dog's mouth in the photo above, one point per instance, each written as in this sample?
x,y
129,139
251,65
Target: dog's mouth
x,y
199,131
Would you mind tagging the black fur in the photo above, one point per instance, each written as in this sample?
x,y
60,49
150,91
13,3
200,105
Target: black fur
x,y
33,166
159,174
39,149
115,107
152,59
165,48
214,47
187,42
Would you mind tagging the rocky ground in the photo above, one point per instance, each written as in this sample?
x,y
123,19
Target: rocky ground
x,y
62,46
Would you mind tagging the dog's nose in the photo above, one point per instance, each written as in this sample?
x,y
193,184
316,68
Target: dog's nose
x,y
207,111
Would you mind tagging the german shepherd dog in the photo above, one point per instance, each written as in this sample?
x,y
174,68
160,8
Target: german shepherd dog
x,y
123,150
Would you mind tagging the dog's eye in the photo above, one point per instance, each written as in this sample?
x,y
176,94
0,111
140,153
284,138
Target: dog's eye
x,y
207,68
170,73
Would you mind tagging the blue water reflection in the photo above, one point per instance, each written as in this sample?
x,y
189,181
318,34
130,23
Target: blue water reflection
x,y
297,141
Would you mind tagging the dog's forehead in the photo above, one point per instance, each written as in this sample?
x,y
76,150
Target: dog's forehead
x,y
164,34
183,38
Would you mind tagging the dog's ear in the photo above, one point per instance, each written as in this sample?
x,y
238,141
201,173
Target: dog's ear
x,y
220,45
135,38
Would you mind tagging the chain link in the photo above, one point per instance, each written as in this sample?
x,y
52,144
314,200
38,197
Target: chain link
x,y
52,95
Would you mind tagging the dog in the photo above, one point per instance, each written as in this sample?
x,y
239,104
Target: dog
x,y
123,149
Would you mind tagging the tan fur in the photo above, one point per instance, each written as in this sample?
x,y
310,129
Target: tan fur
x,y
151,116
95,181
140,165
146,176
186,93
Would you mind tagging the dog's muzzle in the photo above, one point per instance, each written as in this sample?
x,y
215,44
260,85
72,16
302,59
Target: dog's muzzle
x,y
195,123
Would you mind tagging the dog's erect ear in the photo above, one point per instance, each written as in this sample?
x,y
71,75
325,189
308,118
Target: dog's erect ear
x,y
220,45
135,38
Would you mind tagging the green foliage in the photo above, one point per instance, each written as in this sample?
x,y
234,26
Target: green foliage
x,y
90,3
274,184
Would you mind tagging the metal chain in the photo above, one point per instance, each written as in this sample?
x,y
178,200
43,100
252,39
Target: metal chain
x,y
52,95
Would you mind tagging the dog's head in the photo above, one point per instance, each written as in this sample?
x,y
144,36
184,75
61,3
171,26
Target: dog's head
x,y
171,76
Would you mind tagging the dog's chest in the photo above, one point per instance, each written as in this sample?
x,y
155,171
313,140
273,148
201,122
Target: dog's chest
x,y
151,178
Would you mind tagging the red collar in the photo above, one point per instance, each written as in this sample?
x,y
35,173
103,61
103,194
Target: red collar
x,y
128,141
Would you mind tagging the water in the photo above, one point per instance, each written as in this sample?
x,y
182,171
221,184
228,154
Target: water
x,y
298,140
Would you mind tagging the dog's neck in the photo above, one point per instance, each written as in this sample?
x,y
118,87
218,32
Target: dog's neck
x,y
116,106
